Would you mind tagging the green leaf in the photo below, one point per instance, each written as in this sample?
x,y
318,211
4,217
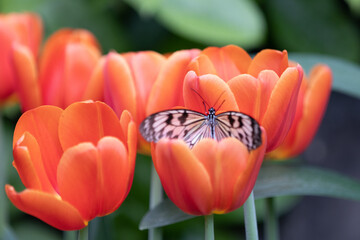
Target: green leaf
x,y
210,22
279,179
321,26
275,179
345,73
164,214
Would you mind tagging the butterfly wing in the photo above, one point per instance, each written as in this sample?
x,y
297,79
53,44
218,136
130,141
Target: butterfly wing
x,y
240,126
191,126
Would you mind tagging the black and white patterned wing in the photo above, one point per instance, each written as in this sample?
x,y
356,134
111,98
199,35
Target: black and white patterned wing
x,y
191,126
240,126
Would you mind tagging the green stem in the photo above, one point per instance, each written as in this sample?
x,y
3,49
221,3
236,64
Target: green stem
x,y
209,227
156,196
83,234
70,235
250,218
271,221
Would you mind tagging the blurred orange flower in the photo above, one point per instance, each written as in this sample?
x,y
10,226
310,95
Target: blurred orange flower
x,y
213,177
76,164
21,28
63,73
135,81
312,100
265,87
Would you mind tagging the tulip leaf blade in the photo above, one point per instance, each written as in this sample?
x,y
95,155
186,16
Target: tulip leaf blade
x,y
275,179
210,22
163,214
345,73
291,179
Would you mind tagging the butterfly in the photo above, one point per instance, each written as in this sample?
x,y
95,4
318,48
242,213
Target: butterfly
x,y
192,126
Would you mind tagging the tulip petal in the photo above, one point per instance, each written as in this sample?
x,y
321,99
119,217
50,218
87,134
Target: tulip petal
x,y
269,60
246,92
202,65
47,207
95,88
24,29
87,122
130,138
119,85
281,107
42,123
312,110
54,70
145,67
183,177
206,91
229,61
166,92
94,179
80,61
29,164
246,180
224,161
26,79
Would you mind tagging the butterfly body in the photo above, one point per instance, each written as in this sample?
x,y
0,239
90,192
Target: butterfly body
x,y
192,126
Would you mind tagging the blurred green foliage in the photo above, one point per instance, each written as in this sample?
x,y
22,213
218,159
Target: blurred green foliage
x,y
324,26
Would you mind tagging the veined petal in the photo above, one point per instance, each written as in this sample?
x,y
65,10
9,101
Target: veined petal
x,y
202,65
116,171
166,91
183,176
310,109
42,123
30,165
78,178
95,87
26,78
145,67
47,207
246,92
201,93
229,61
224,161
53,66
282,106
80,61
269,59
246,180
130,141
119,84
7,83
94,179
315,101
24,29
268,80
87,122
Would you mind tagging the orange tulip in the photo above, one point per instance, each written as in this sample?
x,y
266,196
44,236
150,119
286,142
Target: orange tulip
x,y
63,74
76,164
312,100
265,87
212,177
21,28
131,81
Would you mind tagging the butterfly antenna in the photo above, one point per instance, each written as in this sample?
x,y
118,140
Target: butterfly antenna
x,y
204,102
218,100
221,104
